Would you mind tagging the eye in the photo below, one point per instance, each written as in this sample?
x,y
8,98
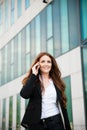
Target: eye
x,y
42,61
49,61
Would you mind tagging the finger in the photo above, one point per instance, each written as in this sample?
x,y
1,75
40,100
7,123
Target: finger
x,y
37,64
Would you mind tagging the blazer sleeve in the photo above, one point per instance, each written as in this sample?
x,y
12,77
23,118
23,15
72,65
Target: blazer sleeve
x,y
27,90
64,112
66,118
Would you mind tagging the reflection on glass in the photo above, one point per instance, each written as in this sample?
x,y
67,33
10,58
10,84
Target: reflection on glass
x,y
50,46
27,62
5,64
0,67
37,31
6,14
4,115
26,102
64,26
69,99
1,14
27,38
27,3
12,12
10,112
83,5
0,78
49,21
19,54
19,7
18,113
12,59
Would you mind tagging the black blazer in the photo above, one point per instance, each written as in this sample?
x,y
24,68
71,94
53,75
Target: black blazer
x,y
32,91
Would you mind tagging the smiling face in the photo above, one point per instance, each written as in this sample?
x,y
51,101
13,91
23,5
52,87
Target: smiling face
x,y
45,64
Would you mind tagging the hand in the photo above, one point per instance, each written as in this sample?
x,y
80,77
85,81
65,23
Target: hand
x,y
35,68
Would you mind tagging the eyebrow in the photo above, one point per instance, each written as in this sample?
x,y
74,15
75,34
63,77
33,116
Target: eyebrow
x,y
47,60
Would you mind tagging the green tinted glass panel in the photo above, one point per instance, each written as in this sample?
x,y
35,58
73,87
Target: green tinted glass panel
x,y
83,5
64,26
69,99
10,112
18,113
26,102
4,114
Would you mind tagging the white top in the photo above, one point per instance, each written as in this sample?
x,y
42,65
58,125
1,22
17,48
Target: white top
x,y
49,106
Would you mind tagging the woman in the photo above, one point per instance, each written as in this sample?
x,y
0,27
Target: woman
x,y
44,88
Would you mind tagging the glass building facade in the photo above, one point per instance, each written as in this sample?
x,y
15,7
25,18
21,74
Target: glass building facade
x,y
58,28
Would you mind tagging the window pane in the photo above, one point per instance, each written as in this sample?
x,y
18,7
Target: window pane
x,y
64,26
0,61
0,67
10,112
56,28
5,64
19,54
27,62
83,5
19,7
27,3
16,57
1,14
12,59
28,39
26,102
18,113
0,78
73,23
4,115
6,14
69,99
49,21
37,29
12,12
50,46
8,62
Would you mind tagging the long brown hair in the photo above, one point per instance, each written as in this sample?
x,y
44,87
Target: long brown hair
x,y
55,75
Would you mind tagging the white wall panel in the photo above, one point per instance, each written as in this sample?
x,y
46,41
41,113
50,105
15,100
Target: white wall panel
x,y
70,65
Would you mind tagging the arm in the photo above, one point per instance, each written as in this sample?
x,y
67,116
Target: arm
x,y
67,123
65,118
27,90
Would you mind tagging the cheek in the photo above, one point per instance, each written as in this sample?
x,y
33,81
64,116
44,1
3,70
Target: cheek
x,y
50,65
41,67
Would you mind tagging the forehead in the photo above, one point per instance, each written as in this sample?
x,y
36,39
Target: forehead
x,y
45,57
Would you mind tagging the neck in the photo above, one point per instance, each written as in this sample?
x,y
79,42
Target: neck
x,y
45,76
